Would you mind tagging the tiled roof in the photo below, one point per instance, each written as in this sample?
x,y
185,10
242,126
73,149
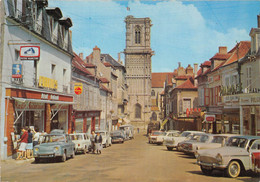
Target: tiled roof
x,y
182,77
107,64
102,87
158,79
79,64
111,60
206,63
238,52
104,80
219,56
187,85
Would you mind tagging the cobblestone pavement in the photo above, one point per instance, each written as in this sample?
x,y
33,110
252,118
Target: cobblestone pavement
x,y
135,160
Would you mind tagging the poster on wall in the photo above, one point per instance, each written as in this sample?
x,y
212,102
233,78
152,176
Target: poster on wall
x,y
17,71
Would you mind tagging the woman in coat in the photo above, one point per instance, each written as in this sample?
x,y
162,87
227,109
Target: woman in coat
x,y
98,143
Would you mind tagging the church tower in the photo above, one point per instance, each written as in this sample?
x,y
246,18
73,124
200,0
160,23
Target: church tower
x,y
138,66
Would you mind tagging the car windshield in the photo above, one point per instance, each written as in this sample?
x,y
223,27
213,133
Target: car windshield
x,y
203,138
158,133
217,139
76,137
195,137
185,134
237,142
53,138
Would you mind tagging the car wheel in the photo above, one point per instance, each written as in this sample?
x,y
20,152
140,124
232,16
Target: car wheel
x,y
170,148
73,154
63,157
36,160
85,150
206,171
233,169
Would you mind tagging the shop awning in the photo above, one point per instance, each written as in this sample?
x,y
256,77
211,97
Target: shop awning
x,y
42,101
164,122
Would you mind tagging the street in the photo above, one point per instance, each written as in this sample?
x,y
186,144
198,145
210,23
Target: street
x,y
135,160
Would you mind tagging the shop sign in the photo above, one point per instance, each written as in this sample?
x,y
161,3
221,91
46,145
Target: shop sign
x,y
48,83
93,114
254,100
30,52
78,88
52,97
210,117
230,98
17,71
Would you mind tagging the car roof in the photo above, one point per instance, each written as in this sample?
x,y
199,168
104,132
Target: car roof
x,y
57,131
249,137
78,133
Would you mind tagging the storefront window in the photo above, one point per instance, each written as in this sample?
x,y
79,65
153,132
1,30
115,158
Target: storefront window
x,y
96,123
59,120
79,125
88,127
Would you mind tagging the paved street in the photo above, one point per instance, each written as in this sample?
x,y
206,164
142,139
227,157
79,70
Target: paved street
x,y
135,160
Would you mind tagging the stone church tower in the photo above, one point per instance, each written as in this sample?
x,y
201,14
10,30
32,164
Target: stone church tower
x,y
138,66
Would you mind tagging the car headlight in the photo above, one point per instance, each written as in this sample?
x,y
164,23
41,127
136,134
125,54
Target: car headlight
x,y
36,149
219,158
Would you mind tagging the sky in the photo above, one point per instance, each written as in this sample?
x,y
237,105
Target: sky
x,y
183,31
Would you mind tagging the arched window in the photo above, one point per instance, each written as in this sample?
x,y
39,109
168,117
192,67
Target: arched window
x,y
153,93
154,116
137,34
138,110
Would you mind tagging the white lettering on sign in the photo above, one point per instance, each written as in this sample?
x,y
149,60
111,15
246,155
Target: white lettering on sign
x,y
44,96
55,97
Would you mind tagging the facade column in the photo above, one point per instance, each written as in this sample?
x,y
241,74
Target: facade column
x,y
241,119
47,118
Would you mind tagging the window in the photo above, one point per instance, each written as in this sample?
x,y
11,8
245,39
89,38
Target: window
x,y
53,66
137,34
154,116
206,95
249,77
186,104
153,93
138,109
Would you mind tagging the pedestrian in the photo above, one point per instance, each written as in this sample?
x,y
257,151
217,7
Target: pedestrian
x,y
98,143
137,130
92,139
29,146
22,148
36,137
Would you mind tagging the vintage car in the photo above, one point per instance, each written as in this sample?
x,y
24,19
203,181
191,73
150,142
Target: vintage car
x,y
205,141
128,131
106,138
184,146
170,134
156,137
117,136
57,144
237,155
172,142
82,142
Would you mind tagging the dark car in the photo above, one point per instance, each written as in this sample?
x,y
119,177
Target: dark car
x,y
57,144
117,137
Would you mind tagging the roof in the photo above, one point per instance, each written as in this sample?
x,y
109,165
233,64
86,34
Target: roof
x,y
111,60
188,84
206,63
219,56
158,79
104,80
79,64
238,52
102,87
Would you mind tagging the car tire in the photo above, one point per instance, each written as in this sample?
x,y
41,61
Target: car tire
x,y
85,150
73,154
233,170
206,171
169,148
36,159
63,157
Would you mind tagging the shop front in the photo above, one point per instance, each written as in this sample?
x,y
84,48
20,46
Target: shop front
x,y
43,111
86,121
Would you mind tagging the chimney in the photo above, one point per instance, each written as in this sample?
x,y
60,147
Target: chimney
x,y
81,55
119,58
96,55
179,64
195,69
222,50
258,21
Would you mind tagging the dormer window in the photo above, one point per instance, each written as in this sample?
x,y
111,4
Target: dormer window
x,y
137,34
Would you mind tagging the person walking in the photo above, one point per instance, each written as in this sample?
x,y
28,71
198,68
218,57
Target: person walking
x,y
92,140
22,148
98,143
29,146
36,137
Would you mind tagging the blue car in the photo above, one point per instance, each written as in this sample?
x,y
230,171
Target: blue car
x,y
57,144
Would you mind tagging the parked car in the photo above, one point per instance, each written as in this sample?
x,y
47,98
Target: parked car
x,y
82,142
172,142
237,155
186,145
106,138
128,131
117,136
170,134
156,137
57,144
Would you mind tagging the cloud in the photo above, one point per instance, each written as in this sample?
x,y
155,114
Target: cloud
x,y
179,33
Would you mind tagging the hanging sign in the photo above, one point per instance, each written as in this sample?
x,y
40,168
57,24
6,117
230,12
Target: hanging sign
x,y
30,52
17,71
78,88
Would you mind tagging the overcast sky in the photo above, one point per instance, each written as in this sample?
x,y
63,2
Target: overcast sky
x,y
183,31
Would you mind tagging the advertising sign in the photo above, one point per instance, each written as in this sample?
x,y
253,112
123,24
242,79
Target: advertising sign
x,y
30,52
210,117
78,88
17,71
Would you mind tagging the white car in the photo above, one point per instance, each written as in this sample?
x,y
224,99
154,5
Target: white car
x,y
156,137
82,142
239,153
106,138
172,142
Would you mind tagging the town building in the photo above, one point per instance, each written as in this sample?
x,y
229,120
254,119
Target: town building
x,y
36,55
138,66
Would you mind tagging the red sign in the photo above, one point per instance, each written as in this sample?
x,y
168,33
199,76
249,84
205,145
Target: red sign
x,y
30,52
78,87
210,117
187,112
